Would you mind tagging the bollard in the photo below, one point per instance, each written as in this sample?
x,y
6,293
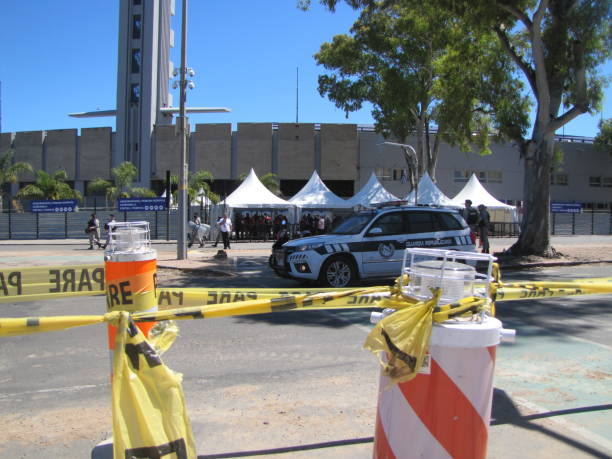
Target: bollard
x,y
444,411
130,266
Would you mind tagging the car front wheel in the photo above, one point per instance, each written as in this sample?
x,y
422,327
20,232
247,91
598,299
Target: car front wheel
x,y
338,273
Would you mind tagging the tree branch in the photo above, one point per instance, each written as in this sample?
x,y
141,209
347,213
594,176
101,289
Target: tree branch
x,y
569,115
518,14
524,66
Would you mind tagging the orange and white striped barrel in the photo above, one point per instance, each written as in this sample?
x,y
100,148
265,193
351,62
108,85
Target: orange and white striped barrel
x,y
444,412
130,272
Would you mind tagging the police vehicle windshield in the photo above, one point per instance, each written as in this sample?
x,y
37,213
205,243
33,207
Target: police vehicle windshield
x,y
353,224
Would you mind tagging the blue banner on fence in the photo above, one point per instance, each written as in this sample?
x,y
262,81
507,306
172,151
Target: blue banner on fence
x,y
140,204
566,207
64,205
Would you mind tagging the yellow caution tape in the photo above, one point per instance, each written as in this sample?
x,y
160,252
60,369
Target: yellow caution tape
x,y
149,412
42,283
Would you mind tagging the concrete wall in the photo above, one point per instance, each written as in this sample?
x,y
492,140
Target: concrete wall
x,y
27,147
6,142
581,161
213,149
95,153
343,152
296,150
167,151
339,152
60,148
254,149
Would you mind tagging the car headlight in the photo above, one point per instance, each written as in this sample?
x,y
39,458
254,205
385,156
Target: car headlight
x,y
303,248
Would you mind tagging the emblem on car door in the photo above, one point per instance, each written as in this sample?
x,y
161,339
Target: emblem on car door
x,y
386,249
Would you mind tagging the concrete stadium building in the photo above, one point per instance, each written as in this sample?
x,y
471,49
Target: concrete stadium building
x,y
344,155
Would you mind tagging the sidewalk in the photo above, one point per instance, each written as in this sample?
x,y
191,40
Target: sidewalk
x,y
575,250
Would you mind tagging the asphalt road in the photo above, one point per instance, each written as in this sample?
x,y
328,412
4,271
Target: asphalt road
x,y
299,381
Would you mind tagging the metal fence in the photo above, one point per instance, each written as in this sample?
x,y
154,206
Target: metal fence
x,y
164,224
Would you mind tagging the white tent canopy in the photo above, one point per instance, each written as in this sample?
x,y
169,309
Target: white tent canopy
x,y
475,192
429,193
316,195
371,193
253,194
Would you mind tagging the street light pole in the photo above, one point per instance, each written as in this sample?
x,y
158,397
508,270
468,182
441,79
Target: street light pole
x,y
181,250
412,161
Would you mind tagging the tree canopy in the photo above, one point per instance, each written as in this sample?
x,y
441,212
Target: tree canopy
x,y
603,140
9,171
49,186
556,47
408,59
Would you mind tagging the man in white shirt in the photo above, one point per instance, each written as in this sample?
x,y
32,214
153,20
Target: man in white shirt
x,y
225,226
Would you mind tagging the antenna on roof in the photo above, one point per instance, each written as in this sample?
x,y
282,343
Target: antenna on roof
x,y
297,94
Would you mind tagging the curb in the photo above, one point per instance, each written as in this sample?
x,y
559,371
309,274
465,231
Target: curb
x,y
516,267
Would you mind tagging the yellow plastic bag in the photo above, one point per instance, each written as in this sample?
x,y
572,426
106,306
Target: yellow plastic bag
x,y
149,414
402,338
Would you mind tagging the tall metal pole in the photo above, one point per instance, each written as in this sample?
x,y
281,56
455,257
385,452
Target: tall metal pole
x,y
181,249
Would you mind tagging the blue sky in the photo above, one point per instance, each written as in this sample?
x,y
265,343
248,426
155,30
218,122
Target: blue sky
x,y
59,57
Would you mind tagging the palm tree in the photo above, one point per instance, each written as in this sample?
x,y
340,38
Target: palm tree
x,y
9,171
124,175
198,184
49,186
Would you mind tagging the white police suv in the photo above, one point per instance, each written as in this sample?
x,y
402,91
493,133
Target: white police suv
x,y
370,244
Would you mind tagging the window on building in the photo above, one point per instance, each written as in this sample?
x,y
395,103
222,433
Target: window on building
x,y
136,60
606,182
494,176
462,176
559,179
602,206
136,26
384,174
594,181
135,93
137,2
482,176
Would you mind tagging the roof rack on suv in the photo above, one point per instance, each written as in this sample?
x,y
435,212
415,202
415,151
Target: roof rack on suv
x,y
398,203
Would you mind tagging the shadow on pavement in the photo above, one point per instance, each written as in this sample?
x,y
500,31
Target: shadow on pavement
x,y
289,449
339,319
505,412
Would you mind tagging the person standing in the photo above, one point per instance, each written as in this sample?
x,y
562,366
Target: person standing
x,y
321,225
93,231
484,221
109,226
218,235
470,215
226,230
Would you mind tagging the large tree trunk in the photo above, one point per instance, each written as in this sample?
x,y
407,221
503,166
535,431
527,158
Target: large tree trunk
x,y
535,226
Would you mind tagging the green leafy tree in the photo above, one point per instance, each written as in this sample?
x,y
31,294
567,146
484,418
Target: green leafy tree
x,y
141,192
49,186
557,47
124,174
408,60
99,187
198,184
10,171
603,141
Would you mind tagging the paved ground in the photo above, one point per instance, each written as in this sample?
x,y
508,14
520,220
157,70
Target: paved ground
x,y
261,383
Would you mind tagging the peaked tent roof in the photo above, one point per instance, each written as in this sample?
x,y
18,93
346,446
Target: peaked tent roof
x,y
475,192
315,194
429,193
252,193
371,193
